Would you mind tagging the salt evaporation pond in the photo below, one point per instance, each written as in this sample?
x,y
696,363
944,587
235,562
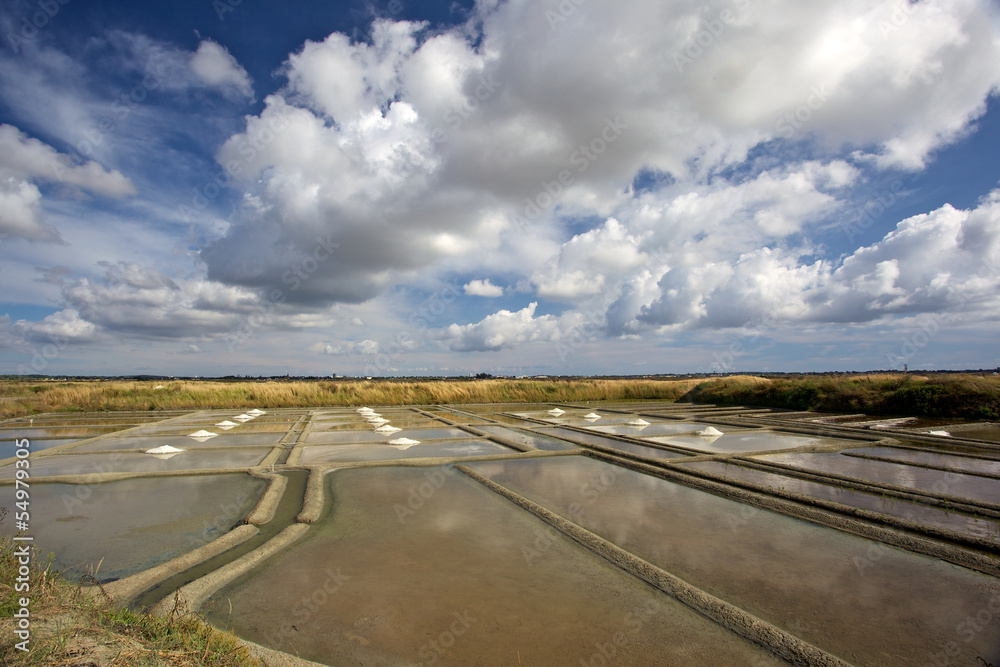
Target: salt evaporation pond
x,y
817,582
74,432
631,448
342,453
83,464
334,437
227,439
934,481
904,509
659,428
448,583
9,448
530,438
364,425
756,441
958,463
131,525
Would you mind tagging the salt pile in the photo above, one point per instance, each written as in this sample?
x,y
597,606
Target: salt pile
x,y
945,433
403,444
226,424
202,434
165,449
592,416
385,428
710,431
256,412
365,411
637,422
555,412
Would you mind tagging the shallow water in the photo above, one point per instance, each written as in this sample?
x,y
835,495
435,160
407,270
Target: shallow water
x,y
366,426
819,583
228,439
134,524
931,516
333,453
98,421
649,452
336,437
659,428
82,464
936,481
373,584
8,448
933,458
749,442
980,434
75,432
535,440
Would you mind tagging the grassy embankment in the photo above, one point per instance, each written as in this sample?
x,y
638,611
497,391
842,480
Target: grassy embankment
x,y
69,627
35,397
965,396
941,395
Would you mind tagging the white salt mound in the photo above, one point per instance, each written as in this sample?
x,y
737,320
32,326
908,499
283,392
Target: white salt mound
x,y
556,412
637,422
385,428
711,431
165,449
256,412
364,410
226,424
404,441
939,433
243,418
592,415
202,434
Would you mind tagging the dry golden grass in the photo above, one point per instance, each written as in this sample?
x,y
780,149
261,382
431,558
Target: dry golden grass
x,y
23,398
70,628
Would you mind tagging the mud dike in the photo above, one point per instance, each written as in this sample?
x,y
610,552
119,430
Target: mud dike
x,y
598,534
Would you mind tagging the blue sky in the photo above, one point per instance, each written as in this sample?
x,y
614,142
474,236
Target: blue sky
x,y
426,188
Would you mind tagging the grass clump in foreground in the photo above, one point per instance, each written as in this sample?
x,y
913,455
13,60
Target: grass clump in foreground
x,y
70,627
